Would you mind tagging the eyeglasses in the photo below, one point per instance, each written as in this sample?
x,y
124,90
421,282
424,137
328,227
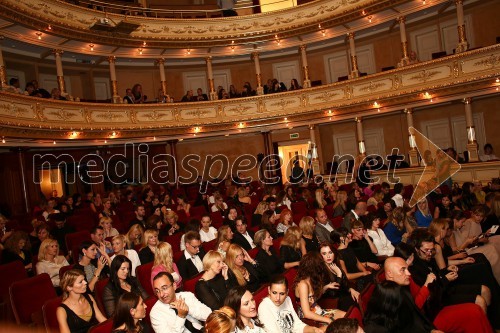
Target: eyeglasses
x,y
428,251
163,289
194,247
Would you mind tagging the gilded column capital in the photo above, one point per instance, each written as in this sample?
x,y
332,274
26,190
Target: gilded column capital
x,y
208,59
408,110
160,61
303,47
467,100
57,52
255,55
358,119
111,59
350,35
459,2
401,19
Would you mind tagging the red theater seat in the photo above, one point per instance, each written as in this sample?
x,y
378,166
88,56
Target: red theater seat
x,y
260,294
49,315
143,274
188,285
104,327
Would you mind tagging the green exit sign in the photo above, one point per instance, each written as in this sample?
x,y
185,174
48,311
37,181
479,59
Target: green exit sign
x,y
294,136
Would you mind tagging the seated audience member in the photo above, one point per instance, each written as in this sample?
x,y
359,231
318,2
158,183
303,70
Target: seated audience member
x,y
134,236
337,284
172,223
219,205
78,311
176,312
120,282
319,199
269,222
243,237
49,260
230,219
40,91
129,314
290,247
344,325
224,239
148,250
17,247
309,241
60,230
323,226
233,93
268,261
391,309
285,221
221,321
349,263
363,246
257,214
129,97
15,85
310,284
468,199
42,233
398,197
207,232
107,210
137,94
191,263
214,285
377,235
492,218
478,192
140,216
200,96
188,97
398,228
164,262
376,198
56,94
49,209
444,208
242,268
247,90
107,225
488,155
294,85
242,302
423,214
355,214
93,268
425,263
466,318
183,204
118,243
192,225
277,313
340,204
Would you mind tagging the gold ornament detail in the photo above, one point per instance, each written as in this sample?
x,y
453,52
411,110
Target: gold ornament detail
x,y
424,75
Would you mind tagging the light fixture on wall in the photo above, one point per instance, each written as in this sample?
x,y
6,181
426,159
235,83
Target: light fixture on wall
x,y
49,27
232,45
144,44
376,105
370,18
39,35
197,129
54,142
3,139
188,51
91,47
140,51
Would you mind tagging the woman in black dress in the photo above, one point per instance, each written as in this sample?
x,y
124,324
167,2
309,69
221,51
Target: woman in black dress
x,y
309,240
78,311
268,261
17,248
290,252
242,269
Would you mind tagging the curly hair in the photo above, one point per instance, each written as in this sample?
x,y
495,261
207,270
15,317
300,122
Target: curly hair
x,y
313,267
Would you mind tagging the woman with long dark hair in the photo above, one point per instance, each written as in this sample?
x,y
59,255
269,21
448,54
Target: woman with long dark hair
x,y
241,301
130,310
120,282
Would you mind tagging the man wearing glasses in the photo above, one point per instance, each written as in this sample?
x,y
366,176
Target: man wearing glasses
x,y
176,313
191,263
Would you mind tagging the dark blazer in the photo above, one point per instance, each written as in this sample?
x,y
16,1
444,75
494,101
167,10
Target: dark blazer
x,y
186,267
146,255
242,241
347,220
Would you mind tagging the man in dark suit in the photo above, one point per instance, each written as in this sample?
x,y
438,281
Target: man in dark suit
x,y
242,236
323,226
355,214
191,262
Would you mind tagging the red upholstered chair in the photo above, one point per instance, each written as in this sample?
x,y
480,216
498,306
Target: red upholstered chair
x,y
64,269
197,211
276,245
260,294
28,309
49,315
74,240
175,241
365,296
98,291
380,277
143,274
290,277
188,285
177,255
207,246
355,313
82,222
217,219
183,218
299,207
104,327
337,221
150,302
9,273
253,252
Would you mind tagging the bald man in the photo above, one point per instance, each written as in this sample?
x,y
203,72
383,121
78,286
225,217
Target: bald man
x,y
355,214
466,318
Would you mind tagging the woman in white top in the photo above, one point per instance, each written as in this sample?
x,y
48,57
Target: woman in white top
x,y
207,232
383,245
276,311
118,244
219,204
241,301
107,225
49,260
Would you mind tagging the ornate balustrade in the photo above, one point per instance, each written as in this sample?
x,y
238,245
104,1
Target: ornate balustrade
x,y
454,77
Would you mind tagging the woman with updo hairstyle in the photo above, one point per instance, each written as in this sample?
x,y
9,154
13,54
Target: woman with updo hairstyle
x,y
118,244
129,312
242,268
107,225
120,281
148,250
242,302
93,268
224,239
50,262
172,224
221,321
164,262
78,311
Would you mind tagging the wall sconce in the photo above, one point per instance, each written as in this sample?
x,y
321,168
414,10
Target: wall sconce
x,y
232,45
376,105
54,142
91,47
140,51
39,35
144,44
197,129
370,18
49,27
3,139
188,51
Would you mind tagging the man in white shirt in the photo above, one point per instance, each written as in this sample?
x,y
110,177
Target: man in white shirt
x,y
398,198
323,226
191,263
176,313
242,236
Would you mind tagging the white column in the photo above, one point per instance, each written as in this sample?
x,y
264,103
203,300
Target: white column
x,y
315,164
463,45
305,68
256,61
471,131
413,154
404,42
59,70
360,136
354,59
163,77
112,76
210,76
3,74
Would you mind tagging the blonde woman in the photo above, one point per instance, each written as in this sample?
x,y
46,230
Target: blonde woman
x,y
107,225
149,245
309,241
164,262
107,211
78,311
423,215
171,221
242,196
224,238
134,236
290,247
118,244
257,214
221,321
49,260
374,200
242,268
319,199
340,205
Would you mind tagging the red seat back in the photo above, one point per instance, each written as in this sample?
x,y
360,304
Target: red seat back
x,y
9,273
290,277
143,274
299,207
49,315
365,296
253,252
217,219
150,302
260,294
64,269
104,327
207,246
98,291
174,240
177,255
73,241
276,245
20,292
355,313
197,211
190,284
337,221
